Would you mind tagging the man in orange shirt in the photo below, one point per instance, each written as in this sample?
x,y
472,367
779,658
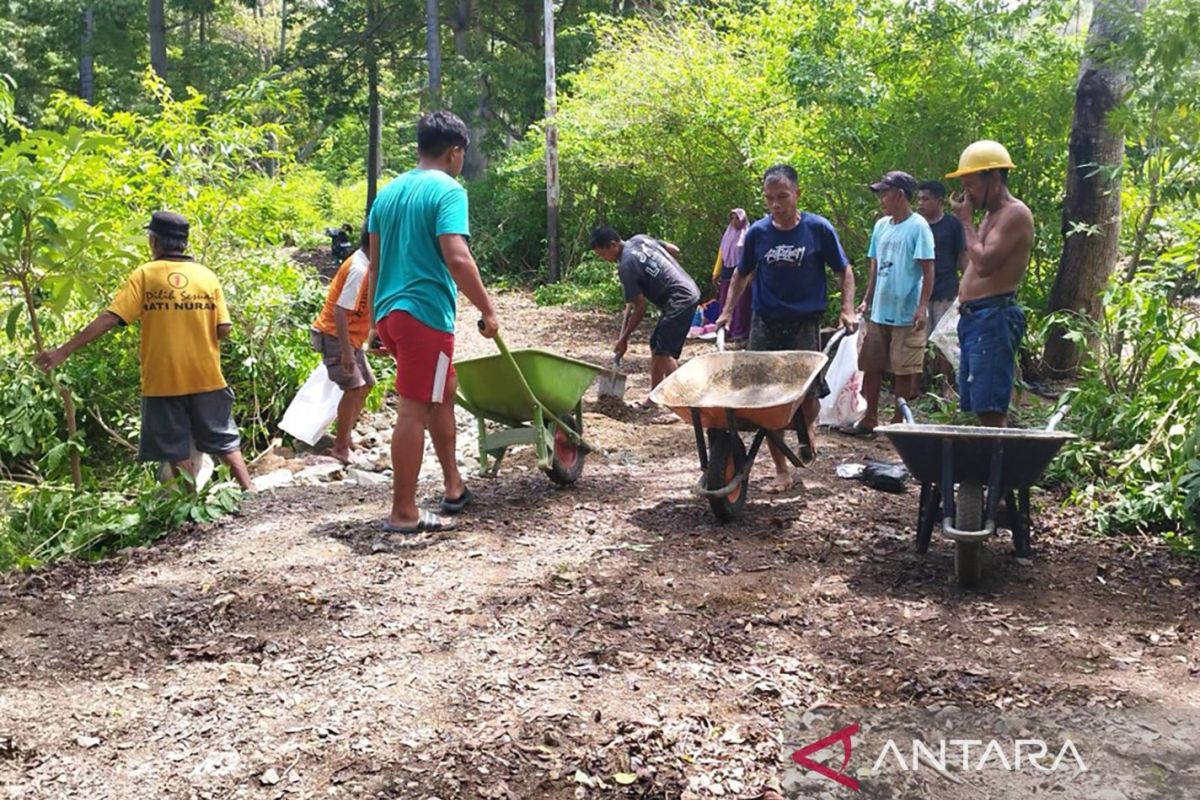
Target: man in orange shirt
x,y
184,318
338,334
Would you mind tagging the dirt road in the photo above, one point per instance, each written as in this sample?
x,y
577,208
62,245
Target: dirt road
x,y
605,640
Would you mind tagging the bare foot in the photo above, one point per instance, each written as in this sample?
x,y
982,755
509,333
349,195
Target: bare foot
x,y
780,483
341,455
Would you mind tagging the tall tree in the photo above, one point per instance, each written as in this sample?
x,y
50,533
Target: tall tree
x,y
1091,220
158,37
433,52
87,76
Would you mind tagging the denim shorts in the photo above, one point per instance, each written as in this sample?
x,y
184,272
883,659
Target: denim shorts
x,y
989,332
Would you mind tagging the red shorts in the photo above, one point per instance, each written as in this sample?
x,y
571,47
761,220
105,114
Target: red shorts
x,y
424,357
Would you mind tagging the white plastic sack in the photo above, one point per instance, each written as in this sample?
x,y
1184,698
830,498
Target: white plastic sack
x,y
314,407
945,335
844,405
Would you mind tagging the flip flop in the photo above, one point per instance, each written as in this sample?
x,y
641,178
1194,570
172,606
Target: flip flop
x,y
449,506
426,522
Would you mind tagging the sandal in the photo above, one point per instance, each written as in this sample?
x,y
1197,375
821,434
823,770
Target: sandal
x,y
449,506
857,430
426,522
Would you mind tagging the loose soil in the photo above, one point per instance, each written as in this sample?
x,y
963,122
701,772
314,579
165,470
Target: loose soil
x,y
609,639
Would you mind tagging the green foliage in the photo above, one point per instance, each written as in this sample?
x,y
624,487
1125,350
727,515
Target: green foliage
x,y
593,283
671,122
72,205
1136,406
39,524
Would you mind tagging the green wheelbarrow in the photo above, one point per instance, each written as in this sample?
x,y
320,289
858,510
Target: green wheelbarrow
x,y
537,398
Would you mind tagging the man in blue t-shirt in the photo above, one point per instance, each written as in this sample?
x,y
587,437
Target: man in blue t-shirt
x,y
419,261
786,254
901,277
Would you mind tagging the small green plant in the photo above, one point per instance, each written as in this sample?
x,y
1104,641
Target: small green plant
x,y
40,524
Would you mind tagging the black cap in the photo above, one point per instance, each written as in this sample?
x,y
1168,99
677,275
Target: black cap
x,y
168,223
900,180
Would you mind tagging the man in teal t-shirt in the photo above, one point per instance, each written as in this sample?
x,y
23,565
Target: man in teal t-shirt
x,y
419,261
898,289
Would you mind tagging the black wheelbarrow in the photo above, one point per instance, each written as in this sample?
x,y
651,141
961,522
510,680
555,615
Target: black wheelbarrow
x,y
1003,461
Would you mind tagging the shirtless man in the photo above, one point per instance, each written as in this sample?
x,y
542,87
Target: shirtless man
x,y
991,324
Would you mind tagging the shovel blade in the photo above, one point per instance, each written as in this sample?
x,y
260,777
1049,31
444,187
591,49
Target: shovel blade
x,y
610,384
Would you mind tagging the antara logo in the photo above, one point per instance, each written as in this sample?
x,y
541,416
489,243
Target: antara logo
x,y
945,755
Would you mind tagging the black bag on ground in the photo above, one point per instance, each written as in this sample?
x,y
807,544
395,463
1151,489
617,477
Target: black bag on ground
x,y
886,476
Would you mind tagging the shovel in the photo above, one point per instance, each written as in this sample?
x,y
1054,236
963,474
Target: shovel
x,y
612,383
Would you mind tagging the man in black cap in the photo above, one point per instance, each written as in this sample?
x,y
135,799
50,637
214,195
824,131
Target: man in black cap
x,y
182,310
901,277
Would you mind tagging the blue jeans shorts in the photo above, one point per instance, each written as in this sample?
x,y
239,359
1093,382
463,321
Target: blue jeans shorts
x,y
989,332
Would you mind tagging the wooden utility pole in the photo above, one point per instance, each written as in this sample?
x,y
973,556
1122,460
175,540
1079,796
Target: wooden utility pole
x,y
551,148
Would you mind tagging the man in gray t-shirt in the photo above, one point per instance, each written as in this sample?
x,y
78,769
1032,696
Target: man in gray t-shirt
x,y
648,271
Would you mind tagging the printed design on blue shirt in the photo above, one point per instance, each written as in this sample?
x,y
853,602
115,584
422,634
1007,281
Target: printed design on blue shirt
x,y
792,255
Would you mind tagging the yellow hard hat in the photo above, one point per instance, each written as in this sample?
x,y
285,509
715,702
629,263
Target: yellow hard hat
x,y
982,155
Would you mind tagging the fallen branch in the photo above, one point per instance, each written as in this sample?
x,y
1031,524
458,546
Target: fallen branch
x,y
116,437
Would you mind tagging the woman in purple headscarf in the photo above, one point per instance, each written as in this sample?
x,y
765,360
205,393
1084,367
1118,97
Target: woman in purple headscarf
x,y
729,257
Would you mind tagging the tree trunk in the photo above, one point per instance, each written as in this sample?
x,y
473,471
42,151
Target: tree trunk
x,y
87,75
283,20
63,392
1091,220
158,38
433,52
461,24
374,116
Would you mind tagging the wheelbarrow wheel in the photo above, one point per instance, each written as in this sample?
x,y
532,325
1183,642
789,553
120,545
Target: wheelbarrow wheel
x,y
726,455
968,556
566,460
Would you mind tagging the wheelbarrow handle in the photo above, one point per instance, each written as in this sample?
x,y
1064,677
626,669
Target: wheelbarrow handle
x,y
905,411
512,362
1058,417
832,345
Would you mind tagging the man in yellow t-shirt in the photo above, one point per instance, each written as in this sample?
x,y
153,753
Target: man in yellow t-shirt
x,y
183,315
338,334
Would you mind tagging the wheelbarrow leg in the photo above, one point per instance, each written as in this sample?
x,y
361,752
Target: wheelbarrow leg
x,y
807,449
1018,520
701,447
483,452
931,501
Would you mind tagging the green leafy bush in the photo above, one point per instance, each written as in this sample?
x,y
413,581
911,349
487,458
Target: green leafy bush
x,y
73,204
39,524
1136,405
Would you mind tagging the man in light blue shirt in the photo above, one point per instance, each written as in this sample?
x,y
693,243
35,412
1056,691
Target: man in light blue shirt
x,y
901,280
